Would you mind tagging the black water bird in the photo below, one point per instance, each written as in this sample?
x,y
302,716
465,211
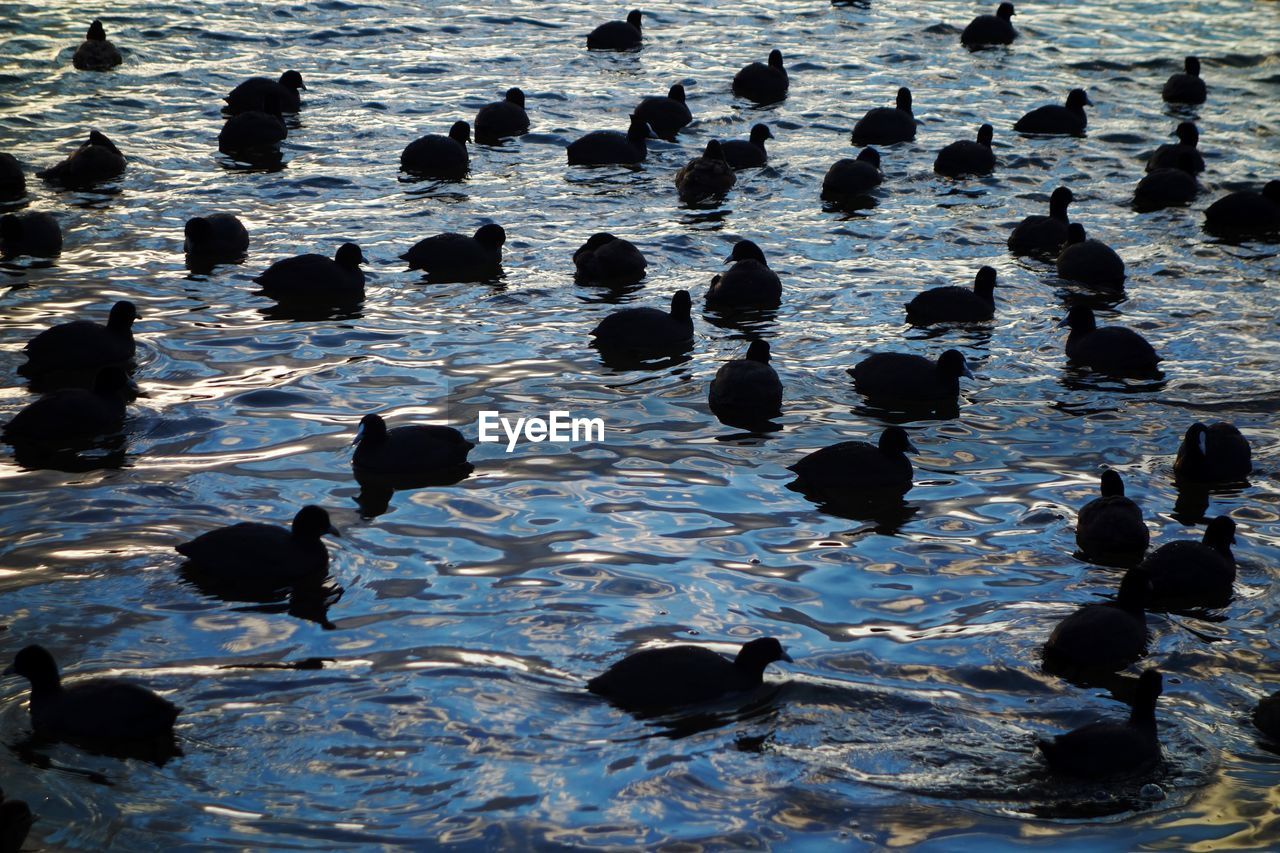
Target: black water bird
x,y
215,237
263,555
410,452
316,277
910,378
1058,120
986,30
1116,350
1044,234
954,304
706,176
747,388
1167,187
606,259
1188,574
665,115
748,153
675,676
1109,528
967,156
1186,86
101,710
1106,636
647,332
1246,213
852,177
1112,748
1218,453
887,125
251,94
457,257
97,159
761,82
13,180
96,52
72,417
853,469
32,232
441,157
1172,154
608,147
617,35
1090,261
504,118
83,345
257,129
749,283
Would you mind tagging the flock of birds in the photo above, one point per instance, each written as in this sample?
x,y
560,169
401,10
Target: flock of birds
x,y
87,367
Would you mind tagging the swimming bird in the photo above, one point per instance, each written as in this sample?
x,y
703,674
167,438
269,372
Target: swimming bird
x,y
410,451
617,35
763,83
910,378
647,332
665,115
1058,120
747,388
749,283
441,157
1109,528
748,153
1109,748
858,468
887,125
215,237
1167,187
90,709
610,260
967,157
33,232
252,130
954,304
986,30
607,147
1213,454
1089,261
97,159
72,417
15,823
96,52
1186,86
671,677
252,553
504,118
1043,234
251,94
312,276
850,178
1171,155
13,181
1246,212
1106,636
1188,574
454,257
1115,350
705,176
83,345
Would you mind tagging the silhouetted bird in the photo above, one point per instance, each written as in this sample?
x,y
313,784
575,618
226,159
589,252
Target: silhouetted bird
x,y
96,53
1110,349
1110,748
1186,86
762,83
660,679
1110,529
987,30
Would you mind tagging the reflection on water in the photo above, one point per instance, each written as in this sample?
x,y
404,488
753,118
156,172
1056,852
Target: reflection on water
x,y
451,643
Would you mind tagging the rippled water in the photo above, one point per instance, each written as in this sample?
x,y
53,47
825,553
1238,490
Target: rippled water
x,y
442,699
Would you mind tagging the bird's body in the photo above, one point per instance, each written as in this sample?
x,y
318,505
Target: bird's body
x,y
887,125
644,332
254,92
1186,86
1089,261
1194,574
749,283
748,153
665,115
609,147
457,257
618,35
1044,234
72,417
252,553
852,177
409,451
441,157
672,677
1108,349
32,232
853,468
954,304
215,237
96,52
504,118
606,259
1213,454
97,159
910,378
1057,119
83,345
313,276
988,30
1109,528
763,83
747,388
1103,637
706,176
1246,212
1108,749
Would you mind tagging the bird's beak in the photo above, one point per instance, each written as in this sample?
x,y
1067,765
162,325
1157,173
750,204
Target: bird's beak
x,y
728,260
335,531
912,447
9,670
967,372
786,657
302,86
359,434
1065,322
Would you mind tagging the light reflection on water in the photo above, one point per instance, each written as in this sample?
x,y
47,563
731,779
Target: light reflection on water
x,y
460,619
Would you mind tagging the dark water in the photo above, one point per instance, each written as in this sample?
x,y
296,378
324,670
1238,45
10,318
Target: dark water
x,y
449,705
